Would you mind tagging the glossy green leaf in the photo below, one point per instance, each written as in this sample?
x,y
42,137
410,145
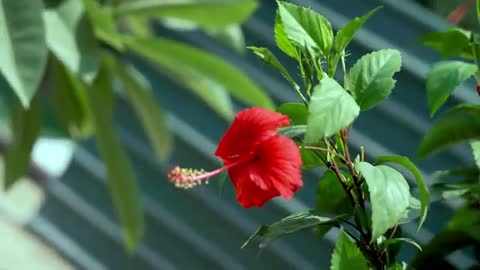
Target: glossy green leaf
x,y
476,151
180,58
457,125
345,35
103,23
347,256
389,196
26,124
422,187
267,56
331,197
139,93
371,78
200,12
70,37
281,39
443,78
305,28
297,112
448,43
23,50
70,102
290,224
120,176
331,109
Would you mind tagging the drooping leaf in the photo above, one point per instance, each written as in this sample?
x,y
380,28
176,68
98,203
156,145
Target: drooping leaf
x,y
290,224
232,36
331,197
69,102
347,255
227,12
305,28
448,43
331,109
297,112
104,23
70,37
267,56
23,50
459,124
371,78
120,176
476,152
26,124
422,187
180,58
311,159
443,78
281,39
389,196
139,94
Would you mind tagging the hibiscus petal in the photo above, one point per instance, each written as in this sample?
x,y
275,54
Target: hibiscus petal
x,y
250,127
274,171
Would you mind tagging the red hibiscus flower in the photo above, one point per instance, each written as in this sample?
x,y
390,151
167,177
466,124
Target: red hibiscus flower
x,y
261,163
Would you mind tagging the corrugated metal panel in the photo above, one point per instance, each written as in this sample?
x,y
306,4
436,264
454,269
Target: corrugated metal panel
x,y
201,229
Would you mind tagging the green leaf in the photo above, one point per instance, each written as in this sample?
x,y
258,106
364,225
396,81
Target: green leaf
x,y
347,255
331,109
459,124
290,224
443,78
214,94
331,197
200,12
26,124
345,35
394,241
389,196
120,177
466,220
104,24
292,131
311,159
281,39
180,58
371,78
70,102
70,37
476,152
297,112
423,190
343,38
305,28
449,43
23,50
139,93
267,56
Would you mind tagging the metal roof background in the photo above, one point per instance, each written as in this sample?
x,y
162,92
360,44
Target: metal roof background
x,y
202,229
